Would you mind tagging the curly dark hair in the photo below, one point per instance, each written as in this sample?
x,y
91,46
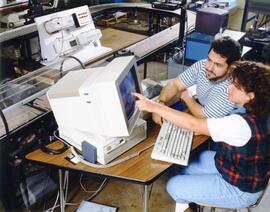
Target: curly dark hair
x,y
227,47
254,77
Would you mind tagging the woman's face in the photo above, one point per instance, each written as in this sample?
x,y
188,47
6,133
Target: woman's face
x,y
238,95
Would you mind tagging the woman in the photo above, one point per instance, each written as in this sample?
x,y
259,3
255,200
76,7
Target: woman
x,y
236,174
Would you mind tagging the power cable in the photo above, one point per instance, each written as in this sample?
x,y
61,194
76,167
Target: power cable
x,y
70,57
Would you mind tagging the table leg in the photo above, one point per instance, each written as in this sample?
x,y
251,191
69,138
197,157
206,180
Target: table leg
x,y
61,191
146,196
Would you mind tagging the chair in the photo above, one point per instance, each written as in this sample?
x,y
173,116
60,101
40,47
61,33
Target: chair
x,y
212,207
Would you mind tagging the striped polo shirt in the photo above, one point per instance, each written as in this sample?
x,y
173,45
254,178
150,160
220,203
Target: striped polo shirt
x,y
213,96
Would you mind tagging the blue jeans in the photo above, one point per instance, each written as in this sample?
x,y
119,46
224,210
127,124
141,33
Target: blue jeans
x,y
201,182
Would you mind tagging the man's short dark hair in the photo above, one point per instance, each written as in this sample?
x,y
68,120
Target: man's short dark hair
x,y
227,47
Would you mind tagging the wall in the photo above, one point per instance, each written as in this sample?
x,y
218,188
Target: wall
x,y
236,16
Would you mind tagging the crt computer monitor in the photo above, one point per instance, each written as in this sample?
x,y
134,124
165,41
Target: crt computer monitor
x,y
97,101
218,17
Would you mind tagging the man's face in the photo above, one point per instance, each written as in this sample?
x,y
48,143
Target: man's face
x,y
216,66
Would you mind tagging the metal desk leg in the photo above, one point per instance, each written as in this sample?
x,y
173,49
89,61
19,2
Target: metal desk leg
x,y
146,196
61,191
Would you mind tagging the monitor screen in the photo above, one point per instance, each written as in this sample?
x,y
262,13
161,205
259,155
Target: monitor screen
x,y
127,86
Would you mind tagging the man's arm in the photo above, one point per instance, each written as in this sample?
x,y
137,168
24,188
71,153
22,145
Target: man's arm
x,y
172,91
194,107
169,94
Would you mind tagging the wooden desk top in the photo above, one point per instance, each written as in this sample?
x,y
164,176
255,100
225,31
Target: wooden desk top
x,y
116,40
142,169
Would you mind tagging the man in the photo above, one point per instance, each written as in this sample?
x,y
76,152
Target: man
x,y
210,76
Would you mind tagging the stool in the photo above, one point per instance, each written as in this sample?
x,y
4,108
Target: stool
x,y
212,207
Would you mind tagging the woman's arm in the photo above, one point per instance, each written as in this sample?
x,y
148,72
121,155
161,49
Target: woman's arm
x,y
179,118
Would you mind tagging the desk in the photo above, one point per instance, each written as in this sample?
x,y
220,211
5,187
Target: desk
x,y
141,170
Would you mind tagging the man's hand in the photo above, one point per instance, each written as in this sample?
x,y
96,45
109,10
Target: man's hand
x,y
194,107
169,94
186,95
